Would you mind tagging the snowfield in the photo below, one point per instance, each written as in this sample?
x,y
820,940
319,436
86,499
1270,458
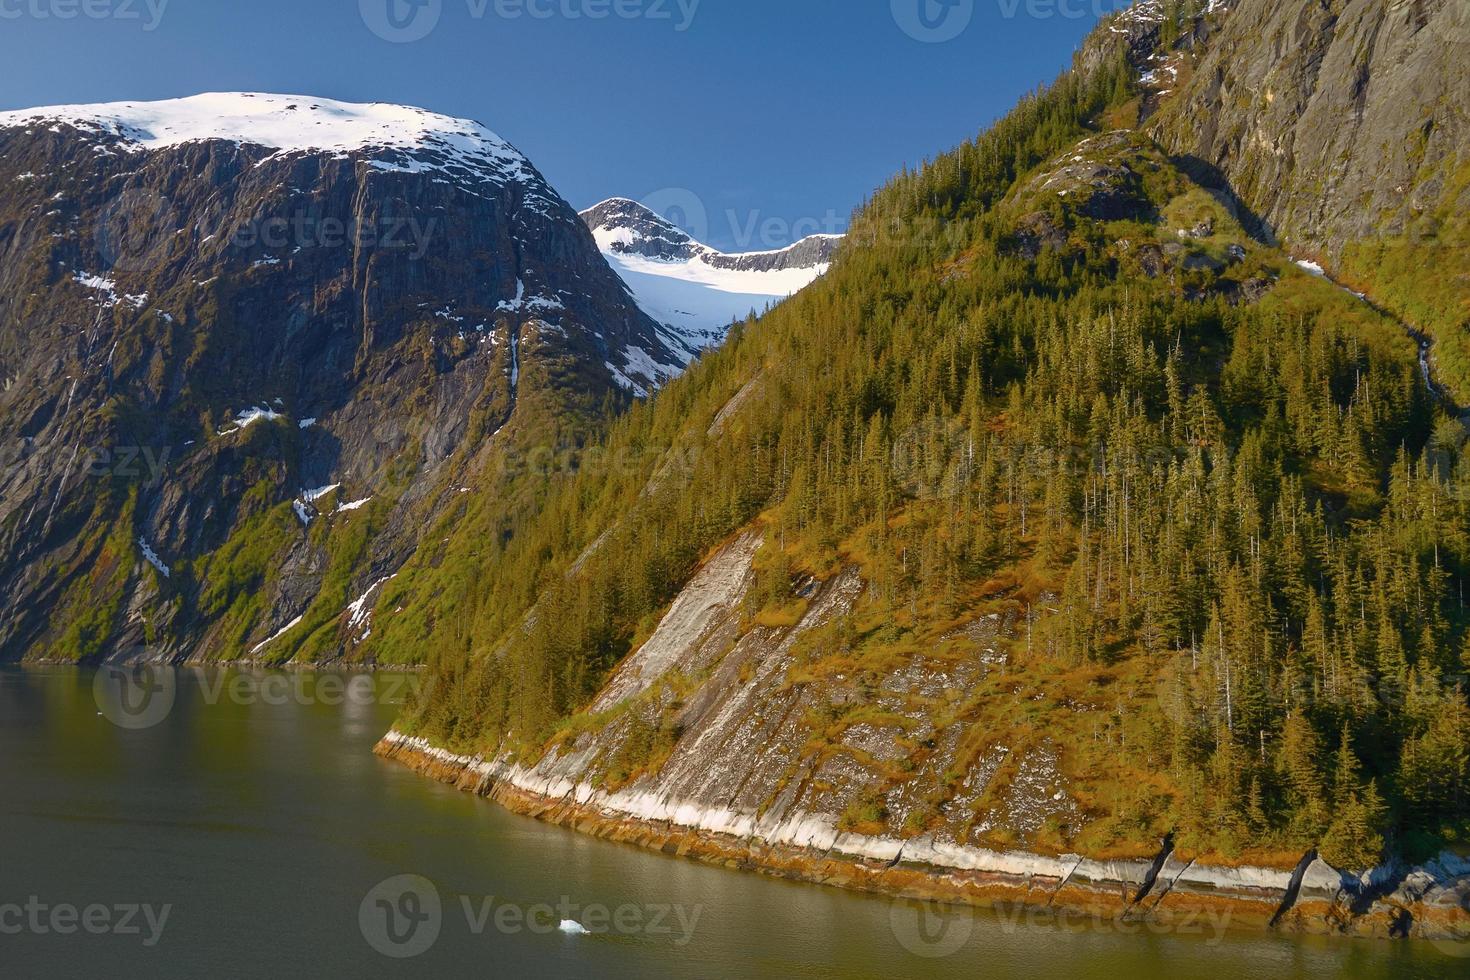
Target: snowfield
x,y
696,296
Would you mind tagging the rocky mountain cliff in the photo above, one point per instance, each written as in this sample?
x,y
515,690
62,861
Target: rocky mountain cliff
x,y
1335,122
1342,129
252,344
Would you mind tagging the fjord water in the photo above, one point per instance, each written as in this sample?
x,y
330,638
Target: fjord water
x,y
254,811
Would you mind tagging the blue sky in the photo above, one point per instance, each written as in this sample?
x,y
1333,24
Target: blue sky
x,y
777,116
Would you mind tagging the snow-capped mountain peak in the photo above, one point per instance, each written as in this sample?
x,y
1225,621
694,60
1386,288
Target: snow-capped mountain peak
x,y
696,291
628,228
396,137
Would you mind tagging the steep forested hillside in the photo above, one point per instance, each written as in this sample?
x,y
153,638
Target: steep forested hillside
x,y
1193,513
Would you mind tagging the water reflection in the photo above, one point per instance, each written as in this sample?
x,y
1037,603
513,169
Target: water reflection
x,y
266,823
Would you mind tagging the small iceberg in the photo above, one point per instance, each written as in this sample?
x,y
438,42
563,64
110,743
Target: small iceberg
x,y
572,927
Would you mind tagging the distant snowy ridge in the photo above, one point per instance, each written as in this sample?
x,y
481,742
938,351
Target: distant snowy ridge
x,y
629,228
695,291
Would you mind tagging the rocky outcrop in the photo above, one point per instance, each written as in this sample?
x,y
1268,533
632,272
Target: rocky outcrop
x,y
1334,122
748,775
745,728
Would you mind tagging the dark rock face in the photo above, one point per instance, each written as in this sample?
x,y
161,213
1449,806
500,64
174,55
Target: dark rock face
x,y
813,251
649,234
1332,121
1036,233
193,336
1100,178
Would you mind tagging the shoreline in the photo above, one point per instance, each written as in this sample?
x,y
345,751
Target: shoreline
x,y
1165,893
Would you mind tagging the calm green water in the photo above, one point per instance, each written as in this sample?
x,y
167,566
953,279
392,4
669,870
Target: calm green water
x,y
252,831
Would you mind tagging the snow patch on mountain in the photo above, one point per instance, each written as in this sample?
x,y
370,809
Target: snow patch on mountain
x,y
109,289
151,557
637,363
699,302
695,291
